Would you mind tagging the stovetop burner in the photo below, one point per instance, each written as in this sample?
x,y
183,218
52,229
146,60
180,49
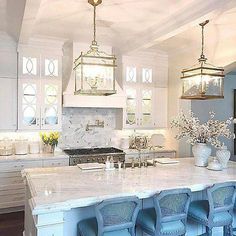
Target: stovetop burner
x,y
88,155
92,151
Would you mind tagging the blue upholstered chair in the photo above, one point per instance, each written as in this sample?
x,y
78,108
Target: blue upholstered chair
x,y
217,210
114,217
235,212
168,217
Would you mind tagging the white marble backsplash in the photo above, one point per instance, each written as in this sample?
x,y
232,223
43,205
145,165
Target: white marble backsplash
x,y
74,121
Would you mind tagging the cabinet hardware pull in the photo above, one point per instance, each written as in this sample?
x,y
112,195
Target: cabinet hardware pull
x,y
37,121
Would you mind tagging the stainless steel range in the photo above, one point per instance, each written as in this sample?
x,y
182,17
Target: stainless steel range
x,y
88,155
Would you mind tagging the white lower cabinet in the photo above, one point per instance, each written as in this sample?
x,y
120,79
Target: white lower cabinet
x,y
151,155
12,188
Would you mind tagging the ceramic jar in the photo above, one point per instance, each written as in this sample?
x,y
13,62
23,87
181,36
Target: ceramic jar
x,y
223,155
201,154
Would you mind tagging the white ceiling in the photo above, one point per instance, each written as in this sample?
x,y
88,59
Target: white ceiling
x,y
168,25
221,28
117,21
11,14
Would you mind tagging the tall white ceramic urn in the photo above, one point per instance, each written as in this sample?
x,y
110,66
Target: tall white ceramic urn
x,y
201,153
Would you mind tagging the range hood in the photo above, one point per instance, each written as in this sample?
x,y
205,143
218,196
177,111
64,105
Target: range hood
x,y
70,99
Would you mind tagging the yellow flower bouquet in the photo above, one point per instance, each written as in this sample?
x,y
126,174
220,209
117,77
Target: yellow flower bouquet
x,y
50,141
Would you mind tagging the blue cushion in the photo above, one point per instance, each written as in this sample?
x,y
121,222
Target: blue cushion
x,y
199,211
147,221
173,228
89,227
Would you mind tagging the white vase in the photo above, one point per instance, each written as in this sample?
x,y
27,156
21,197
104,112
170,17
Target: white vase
x,y
223,155
201,154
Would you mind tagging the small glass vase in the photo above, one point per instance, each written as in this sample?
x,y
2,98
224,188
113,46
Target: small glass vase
x,y
48,148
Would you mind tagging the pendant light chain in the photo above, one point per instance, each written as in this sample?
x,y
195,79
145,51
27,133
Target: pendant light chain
x,y
202,55
202,58
94,25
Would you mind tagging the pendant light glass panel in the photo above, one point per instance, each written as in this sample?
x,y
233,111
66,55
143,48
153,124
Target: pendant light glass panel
x,y
203,82
95,74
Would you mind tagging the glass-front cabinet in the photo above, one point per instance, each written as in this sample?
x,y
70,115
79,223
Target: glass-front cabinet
x,y
29,104
139,93
39,92
145,102
50,107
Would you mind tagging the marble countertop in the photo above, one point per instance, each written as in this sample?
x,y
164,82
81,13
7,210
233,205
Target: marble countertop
x,y
34,157
147,150
64,188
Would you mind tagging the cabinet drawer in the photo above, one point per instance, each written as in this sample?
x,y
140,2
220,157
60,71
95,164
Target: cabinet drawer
x,y
10,174
12,192
11,180
12,186
9,204
19,165
165,154
55,163
12,198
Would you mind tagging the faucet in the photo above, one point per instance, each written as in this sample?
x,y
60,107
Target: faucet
x,y
98,123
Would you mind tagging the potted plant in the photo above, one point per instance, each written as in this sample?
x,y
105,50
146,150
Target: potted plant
x,y
50,141
200,135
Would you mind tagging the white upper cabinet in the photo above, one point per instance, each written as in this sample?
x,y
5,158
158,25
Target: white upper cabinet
x,y
39,90
8,104
29,104
146,92
51,104
8,83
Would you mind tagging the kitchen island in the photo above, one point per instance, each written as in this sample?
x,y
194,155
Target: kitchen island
x,y
57,198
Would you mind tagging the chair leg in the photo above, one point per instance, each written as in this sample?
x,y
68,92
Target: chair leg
x,y
228,230
209,231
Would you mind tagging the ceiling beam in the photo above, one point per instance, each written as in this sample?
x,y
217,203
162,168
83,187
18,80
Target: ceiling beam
x,y
29,18
177,23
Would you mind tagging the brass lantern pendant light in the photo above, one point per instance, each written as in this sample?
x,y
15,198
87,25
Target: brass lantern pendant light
x,y
203,81
95,70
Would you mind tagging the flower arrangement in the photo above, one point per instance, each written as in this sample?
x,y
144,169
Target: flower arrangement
x,y
209,132
50,139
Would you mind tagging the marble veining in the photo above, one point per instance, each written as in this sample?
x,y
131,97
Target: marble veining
x,y
58,189
74,121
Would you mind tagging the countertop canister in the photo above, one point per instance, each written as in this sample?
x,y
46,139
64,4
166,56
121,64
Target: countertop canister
x,y
21,146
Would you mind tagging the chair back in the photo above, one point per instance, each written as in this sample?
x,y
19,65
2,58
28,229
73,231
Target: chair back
x,y
117,214
171,205
221,197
